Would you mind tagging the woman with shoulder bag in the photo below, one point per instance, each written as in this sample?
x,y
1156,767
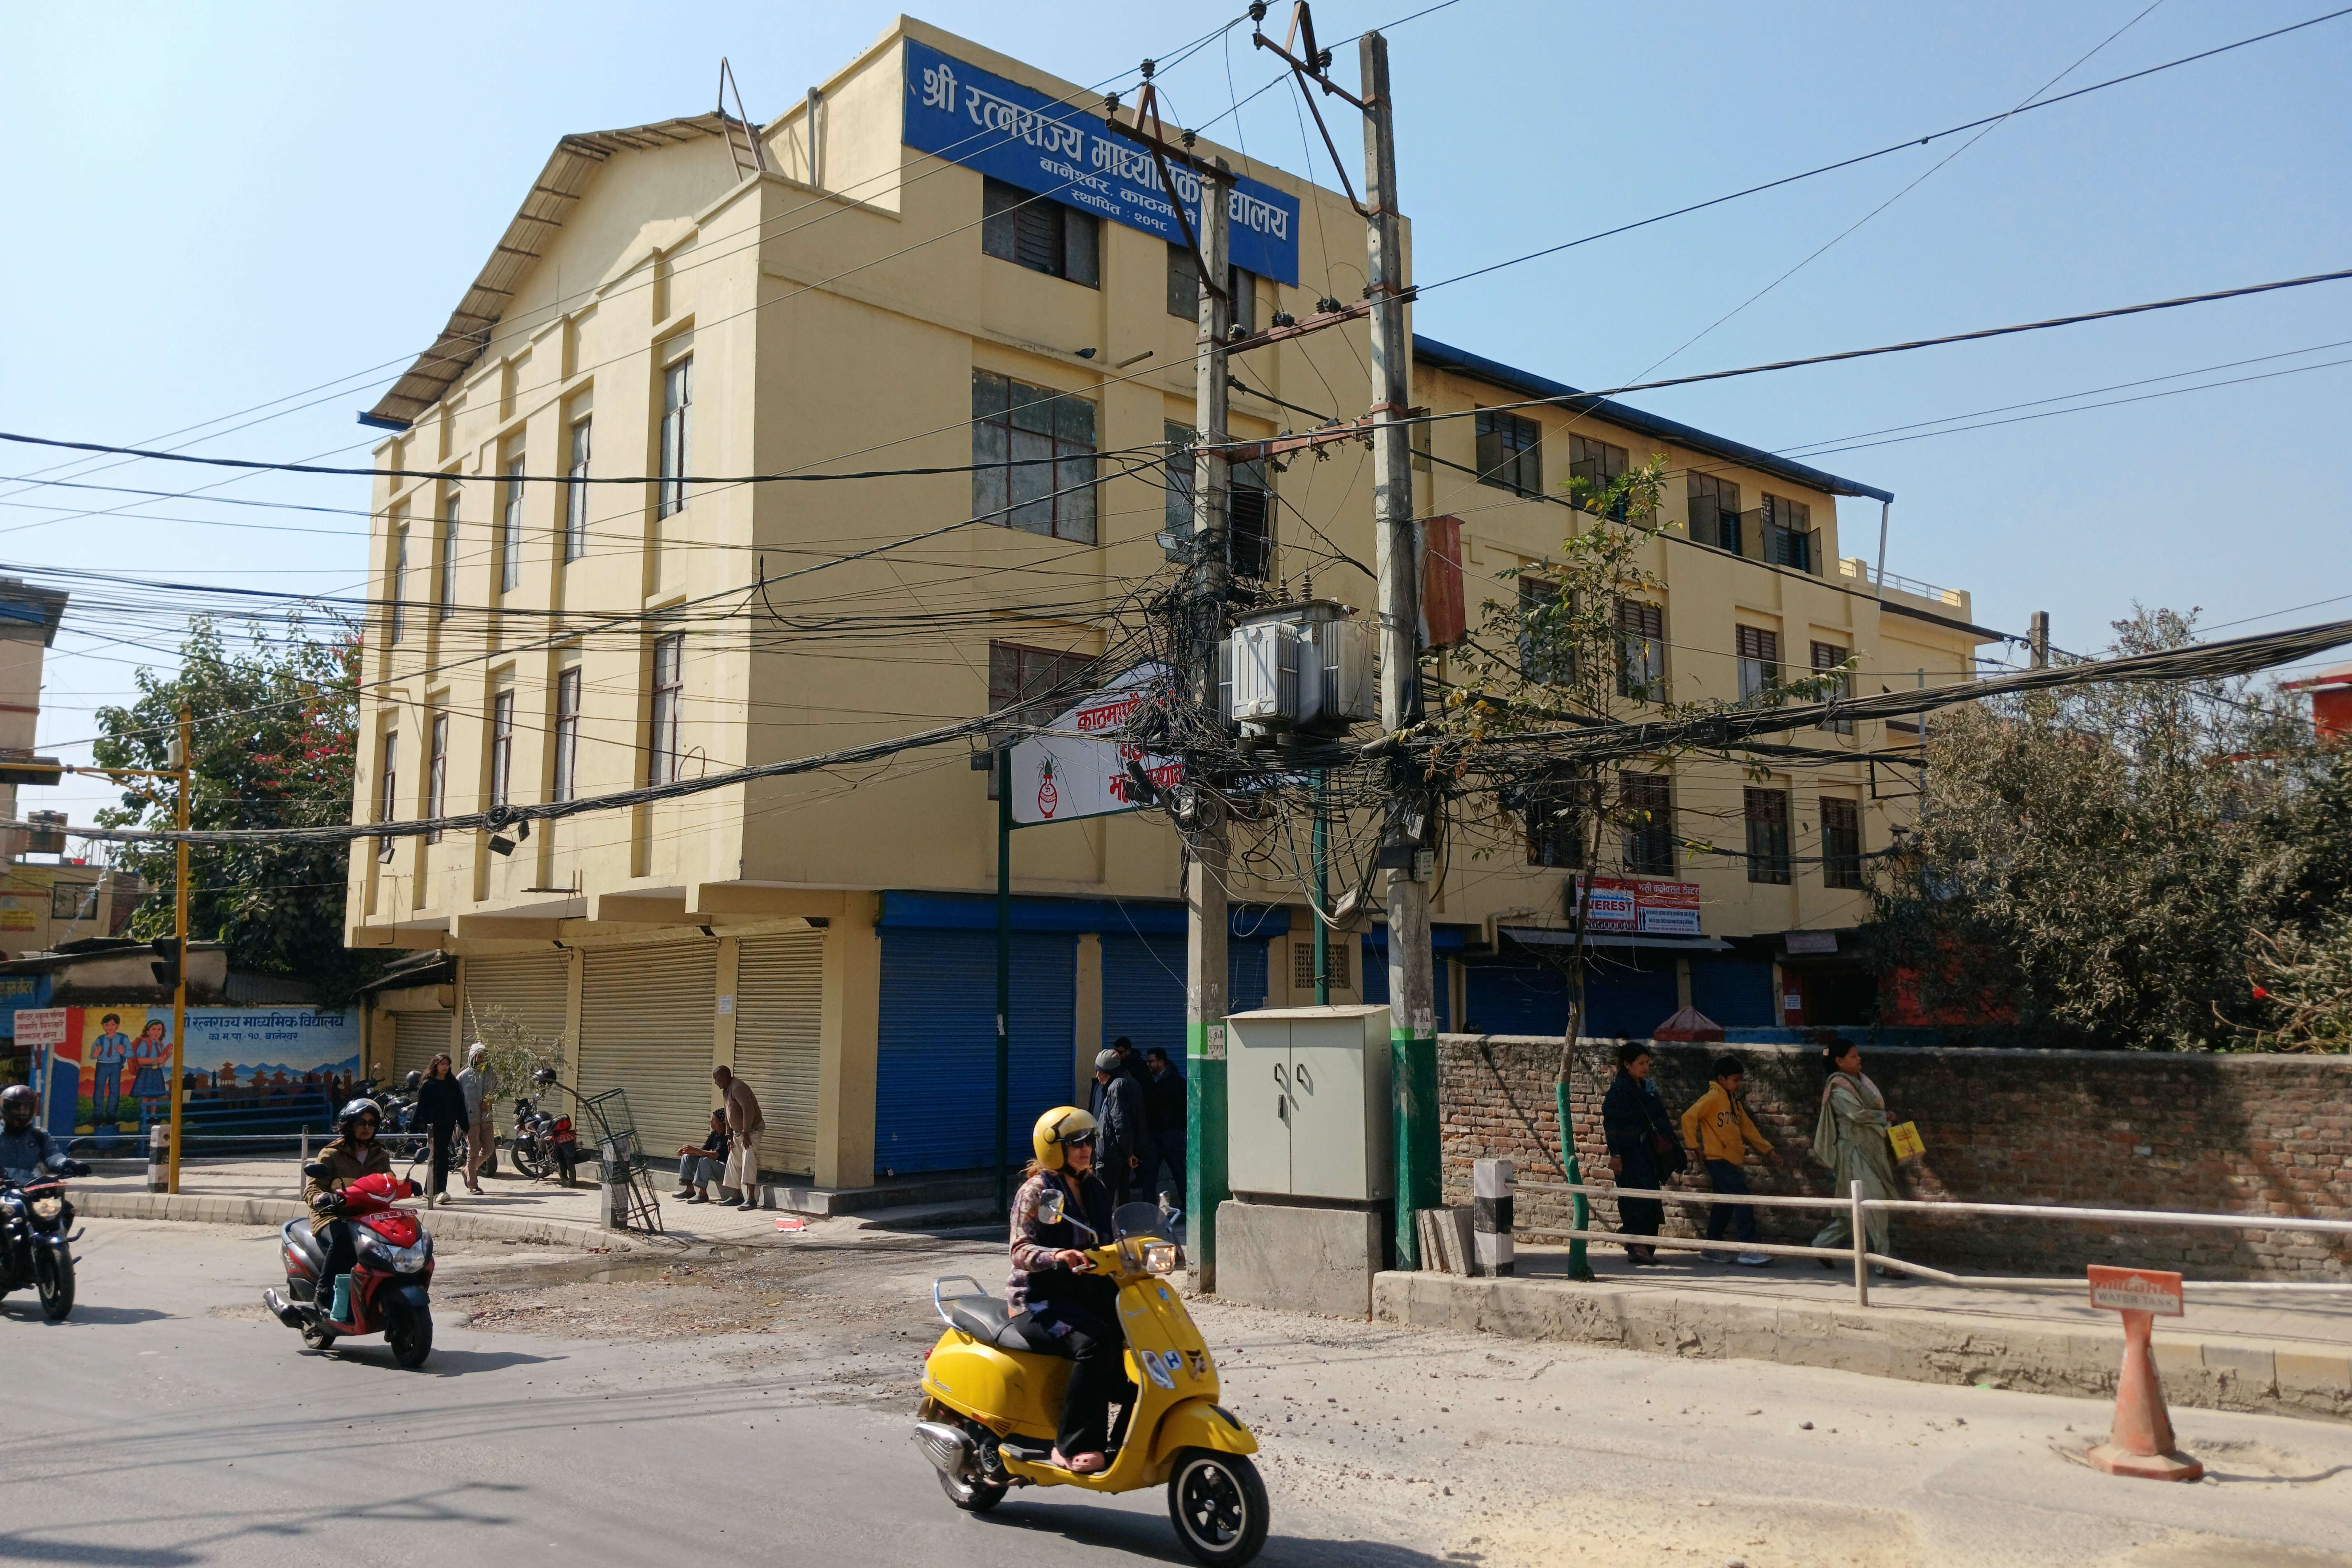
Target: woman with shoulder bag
x,y
1643,1149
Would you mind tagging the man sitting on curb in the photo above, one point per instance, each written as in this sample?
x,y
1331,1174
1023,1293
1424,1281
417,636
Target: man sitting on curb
x,y
699,1167
1717,1126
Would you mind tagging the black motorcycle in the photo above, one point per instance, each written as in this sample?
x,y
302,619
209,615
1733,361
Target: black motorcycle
x,y
35,1252
544,1142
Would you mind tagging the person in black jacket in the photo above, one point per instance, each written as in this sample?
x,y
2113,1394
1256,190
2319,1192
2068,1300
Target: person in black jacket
x,y
1163,1099
1641,1147
1122,1128
440,1110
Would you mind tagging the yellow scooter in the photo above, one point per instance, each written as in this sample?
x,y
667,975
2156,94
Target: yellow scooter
x,y
992,1401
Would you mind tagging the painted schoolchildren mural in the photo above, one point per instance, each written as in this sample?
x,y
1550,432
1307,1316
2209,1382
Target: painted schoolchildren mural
x,y
104,1071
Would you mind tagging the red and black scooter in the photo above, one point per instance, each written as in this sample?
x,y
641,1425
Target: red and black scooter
x,y
391,1278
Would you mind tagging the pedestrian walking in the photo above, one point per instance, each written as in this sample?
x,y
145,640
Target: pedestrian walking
x,y
1718,1127
440,1109
744,1125
1119,1127
1850,1139
1642,1148
479,1083
1164,1094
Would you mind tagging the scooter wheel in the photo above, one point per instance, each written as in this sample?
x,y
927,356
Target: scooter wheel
x,y
1217,1503
319,1338
409,1331
972,1497
56,1277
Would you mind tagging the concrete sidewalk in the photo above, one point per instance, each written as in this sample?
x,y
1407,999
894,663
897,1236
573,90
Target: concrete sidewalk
x,y
2289,1354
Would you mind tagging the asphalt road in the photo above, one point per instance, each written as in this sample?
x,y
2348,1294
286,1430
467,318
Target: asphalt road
x,y
170,1422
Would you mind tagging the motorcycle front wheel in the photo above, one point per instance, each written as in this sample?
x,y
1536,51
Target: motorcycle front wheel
x,y
1218,1505
55,1276
409,1331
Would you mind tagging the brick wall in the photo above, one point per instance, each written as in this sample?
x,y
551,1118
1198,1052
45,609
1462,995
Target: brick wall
x,y
2213,1134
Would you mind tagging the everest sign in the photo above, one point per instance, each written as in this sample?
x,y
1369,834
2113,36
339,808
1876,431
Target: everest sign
x,y
1070,775
1641,904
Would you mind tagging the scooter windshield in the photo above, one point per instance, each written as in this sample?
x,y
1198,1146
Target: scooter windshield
x,y
1146,1220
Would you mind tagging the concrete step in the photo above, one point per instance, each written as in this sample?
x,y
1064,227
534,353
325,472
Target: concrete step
x,y
929,1217
946,1187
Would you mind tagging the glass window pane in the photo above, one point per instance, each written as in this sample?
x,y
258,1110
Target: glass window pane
x,y
1074,422
988,494
1080,248
1032,483
987,395
1074,508
1033,408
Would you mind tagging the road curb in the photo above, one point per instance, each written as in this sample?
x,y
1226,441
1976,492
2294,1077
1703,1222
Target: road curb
x,y
2281,1378
198,1208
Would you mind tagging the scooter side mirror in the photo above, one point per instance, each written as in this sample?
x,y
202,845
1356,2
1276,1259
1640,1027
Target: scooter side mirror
x,y
316,1171
1051,1207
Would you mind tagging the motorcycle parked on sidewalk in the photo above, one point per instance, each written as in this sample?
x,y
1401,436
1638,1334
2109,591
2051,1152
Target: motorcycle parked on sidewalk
x,y
392,1272
992,1399
544,1142
35,1250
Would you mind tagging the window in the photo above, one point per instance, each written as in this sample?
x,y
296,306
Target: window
x,y
437,773
79,902
1179,478
676,431
1335,959
449,557
502,708
1646,803
1537,629
1788,533
1249,506
575,495
1767,835
1555,819
1641,651
1760,661
1033,451
510,528
669,691
399,586
1598,465
1840,843
1017,675
1829,656
1509,455
1039,232
567,734
387,803
1184,290
1715,512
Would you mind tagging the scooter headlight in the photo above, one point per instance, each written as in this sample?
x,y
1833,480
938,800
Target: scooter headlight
x,y
1160,1257
47,1208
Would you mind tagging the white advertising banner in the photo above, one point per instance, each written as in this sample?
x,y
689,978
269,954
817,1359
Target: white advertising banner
x,y
1067,777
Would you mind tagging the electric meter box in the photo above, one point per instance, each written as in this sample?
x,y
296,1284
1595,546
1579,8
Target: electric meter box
x,y
1307,1108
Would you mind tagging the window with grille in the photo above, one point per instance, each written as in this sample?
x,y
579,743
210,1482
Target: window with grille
x,y
448,557
676,433
1840,842
1510,452
575,495
437,773
1788,533
510,527
1018,674
1646,804
399,586
1767,835
388,805
1249,506
1032,452
1598,465
1641,651
567,734
1715,512
668,696
1334,958
1541,657
1827,657
1184,288
502,713
1039,232
1760,661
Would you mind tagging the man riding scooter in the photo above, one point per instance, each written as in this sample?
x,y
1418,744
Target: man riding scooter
x,y
354,1153
1066,1303
27,1151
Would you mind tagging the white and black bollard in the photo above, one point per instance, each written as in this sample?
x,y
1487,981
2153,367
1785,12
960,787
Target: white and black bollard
x,y
1490,1217
159,1156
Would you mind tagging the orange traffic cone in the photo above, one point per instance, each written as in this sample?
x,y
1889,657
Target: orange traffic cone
x,y
2140,1442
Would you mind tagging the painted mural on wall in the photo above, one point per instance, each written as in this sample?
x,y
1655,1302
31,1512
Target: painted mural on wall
x,y
104,1070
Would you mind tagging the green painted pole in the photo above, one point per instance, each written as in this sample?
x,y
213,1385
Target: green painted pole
x,y
1003,978
1580,1211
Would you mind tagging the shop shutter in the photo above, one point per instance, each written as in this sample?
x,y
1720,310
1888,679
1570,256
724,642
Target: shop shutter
x,y
416,1039
1376,979
1143,991
645,1023
528,993
935,1087
779,1014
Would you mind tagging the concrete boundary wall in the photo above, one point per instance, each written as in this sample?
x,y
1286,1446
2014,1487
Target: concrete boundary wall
x,y
2215,1134
200,1210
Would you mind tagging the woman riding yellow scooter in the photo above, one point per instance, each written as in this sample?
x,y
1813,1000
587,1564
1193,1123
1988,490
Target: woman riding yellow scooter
x,y
1068,1306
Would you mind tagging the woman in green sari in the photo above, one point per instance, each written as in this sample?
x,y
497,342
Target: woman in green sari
x,y
1850,1139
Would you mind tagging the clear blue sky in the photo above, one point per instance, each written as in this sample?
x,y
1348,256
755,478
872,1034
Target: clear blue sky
x,y
214,208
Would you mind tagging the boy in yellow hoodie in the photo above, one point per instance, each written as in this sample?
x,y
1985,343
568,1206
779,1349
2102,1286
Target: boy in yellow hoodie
x,y
1717,1126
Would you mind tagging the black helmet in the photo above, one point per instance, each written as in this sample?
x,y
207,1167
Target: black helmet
x,y
353,1111
412,1081
544,1075
18,1103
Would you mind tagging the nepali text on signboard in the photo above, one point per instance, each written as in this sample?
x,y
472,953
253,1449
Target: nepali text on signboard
x,y
1061,151
1065,778
1642,904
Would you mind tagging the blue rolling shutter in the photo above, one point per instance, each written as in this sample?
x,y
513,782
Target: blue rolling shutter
x,y
935,1083
1245,975
1515,999
1735,992
1143,991
1626,1003
1376,979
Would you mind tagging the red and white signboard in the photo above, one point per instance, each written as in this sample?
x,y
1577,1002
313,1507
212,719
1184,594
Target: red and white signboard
x,y
38,1026
1642,904
1066,777
2135,1290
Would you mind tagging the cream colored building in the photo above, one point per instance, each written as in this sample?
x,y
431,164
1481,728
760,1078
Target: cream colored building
x,y
662,305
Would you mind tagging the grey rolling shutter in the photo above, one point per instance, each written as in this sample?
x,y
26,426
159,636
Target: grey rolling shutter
x,y
645,1024
524,996
779,1015
416,1039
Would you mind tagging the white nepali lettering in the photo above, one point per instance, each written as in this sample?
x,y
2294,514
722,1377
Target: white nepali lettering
x,y
940,88
991,112
1073,176
1253,212
1125,162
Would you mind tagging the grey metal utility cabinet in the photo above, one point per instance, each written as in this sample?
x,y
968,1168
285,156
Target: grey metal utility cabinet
x,y
1308,1104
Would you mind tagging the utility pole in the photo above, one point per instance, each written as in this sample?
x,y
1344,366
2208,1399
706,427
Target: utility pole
x,y
184,761
1003,974
1412,1028
2037,639
1205,879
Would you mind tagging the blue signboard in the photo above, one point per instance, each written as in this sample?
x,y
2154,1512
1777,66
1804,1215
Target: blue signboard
x,y
967,116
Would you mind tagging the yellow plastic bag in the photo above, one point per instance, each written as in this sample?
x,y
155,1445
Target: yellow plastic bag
x,y
1906,1139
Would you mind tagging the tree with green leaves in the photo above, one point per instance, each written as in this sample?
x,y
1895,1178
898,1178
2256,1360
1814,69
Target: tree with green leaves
x,y
276,728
